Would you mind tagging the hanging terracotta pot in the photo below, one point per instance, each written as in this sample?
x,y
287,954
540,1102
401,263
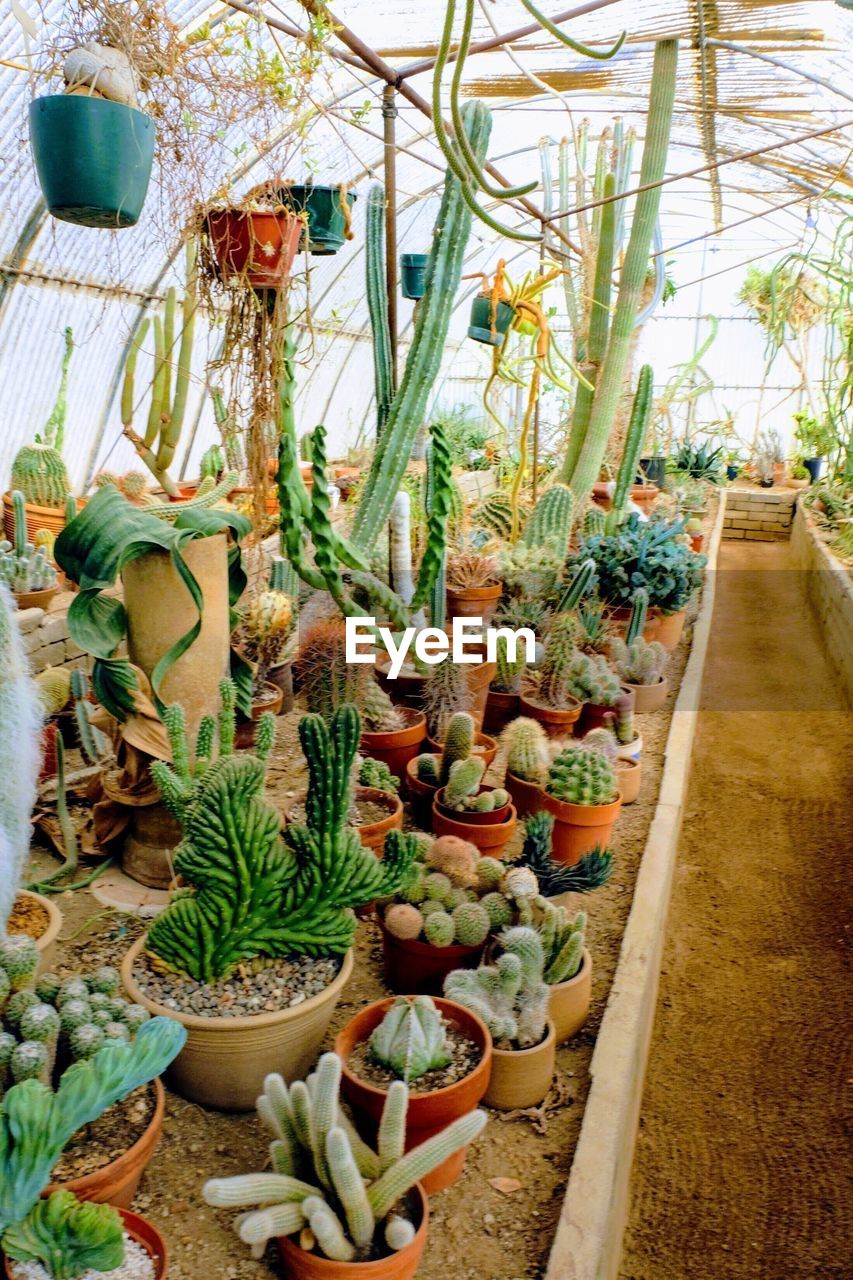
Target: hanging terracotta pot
x,y
328,212
488,326
258,248
402,1265
397,747
579,827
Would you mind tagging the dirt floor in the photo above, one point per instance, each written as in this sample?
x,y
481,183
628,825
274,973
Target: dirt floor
x,y
742,1168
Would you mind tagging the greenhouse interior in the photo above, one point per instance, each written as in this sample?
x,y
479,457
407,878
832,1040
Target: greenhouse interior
x,y
425,639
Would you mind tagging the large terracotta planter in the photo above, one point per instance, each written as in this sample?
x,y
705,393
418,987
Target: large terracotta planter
x,y
47,942
225,1060
629,775
569,1001
501,708
402,1265
649,697
579,827
50,518
526,796
139,1229
558,722
490,837
258,248
414,968
485,747
429,1112
670,628
399,746
473,602
117,1182
522,1077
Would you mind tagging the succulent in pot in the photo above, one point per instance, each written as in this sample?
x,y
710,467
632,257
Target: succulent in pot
x,y
568,968
591,871
550,698
648,555
30,576
582,796
464,807
391,734
640,666
265,628
502,701
527,759
431,770
360,1205
473,585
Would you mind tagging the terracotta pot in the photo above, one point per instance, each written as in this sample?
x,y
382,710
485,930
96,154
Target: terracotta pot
x,y
428,1112
421,795
649,697
644,495
557,722
522,1077
117,1182
579,827
399,746
601,495
372,834
484,746
500,709
35,599
407,688
696,541
402,1265
490,838
619,617
671,628
244,735
414,968
140,1230
150,840
569,1001
46,943
472,817
473,602
51,518
186,489
628,778
282,677
259,247
526,796
780,470
225,1060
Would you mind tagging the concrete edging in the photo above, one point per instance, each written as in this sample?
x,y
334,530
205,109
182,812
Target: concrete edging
x,y
829,589
588,1242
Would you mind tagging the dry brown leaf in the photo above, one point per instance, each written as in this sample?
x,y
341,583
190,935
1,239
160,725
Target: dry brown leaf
x,y
506,1186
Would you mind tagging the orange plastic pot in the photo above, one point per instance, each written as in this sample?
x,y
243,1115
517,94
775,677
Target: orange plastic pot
x,y
629,774
428,1112
526,796
484,746
568,1003
117,1182
500,709
258,247
473,602
522,1077
671,628
397,748
490,837
414,968
696,541
649,697
298,1264
139,1229
558,722
579,827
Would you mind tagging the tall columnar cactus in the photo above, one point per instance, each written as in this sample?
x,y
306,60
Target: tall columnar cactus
x,y
594,522
581,776
377,303
580,584
20,755
326,678
445,694
562,938
636,434
584,459
37,469
550,522
265,629
94,744
326,1178
511,996
590,872
380,713
432,321
458,742
166,413
411,1039
554,675
639,613
250,895
431,576
526,746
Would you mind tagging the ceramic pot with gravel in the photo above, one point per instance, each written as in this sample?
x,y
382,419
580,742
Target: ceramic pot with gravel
x,y
522,1077
299,1264
397,747
228,1054
568,1004
139,1233
411,966
40,917
435,1099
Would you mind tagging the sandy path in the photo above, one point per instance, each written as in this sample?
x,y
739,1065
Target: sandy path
x,y
741,1156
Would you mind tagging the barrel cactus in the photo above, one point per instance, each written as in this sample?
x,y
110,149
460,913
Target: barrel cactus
x,y
526,746
550,522
580,776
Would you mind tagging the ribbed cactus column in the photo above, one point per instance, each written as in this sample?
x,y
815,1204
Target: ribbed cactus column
x,y
634,269
377,303
636,433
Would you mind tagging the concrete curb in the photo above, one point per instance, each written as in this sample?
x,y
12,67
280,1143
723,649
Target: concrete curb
x,y
588,1242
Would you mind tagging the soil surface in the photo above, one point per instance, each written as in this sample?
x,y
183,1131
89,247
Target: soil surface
x,y
108,1137
742,1169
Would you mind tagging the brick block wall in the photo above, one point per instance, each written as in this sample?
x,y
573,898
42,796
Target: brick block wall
x,y
759,515
46,639
829,587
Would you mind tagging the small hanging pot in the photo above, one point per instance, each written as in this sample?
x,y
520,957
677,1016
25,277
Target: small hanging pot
x,y
486,326
257,247
413,271
328,210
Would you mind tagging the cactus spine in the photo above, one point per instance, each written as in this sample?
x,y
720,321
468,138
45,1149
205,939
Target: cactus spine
x,y
458,742
636,434
562,941
37,469
550,522
377,303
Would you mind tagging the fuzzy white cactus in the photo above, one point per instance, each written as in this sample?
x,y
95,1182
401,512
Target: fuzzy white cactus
x,y
20,728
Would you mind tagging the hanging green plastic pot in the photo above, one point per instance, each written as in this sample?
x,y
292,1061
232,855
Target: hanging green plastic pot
x,y
93,158
413,270
481,328
328,210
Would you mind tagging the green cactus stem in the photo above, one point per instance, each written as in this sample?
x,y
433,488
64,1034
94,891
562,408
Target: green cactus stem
x,y
510,996
458,742
636,434
581,583
411,1039
550,522
67,1237
637,620
377,303
526,746
562,939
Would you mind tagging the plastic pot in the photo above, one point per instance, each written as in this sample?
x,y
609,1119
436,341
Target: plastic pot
x,y
46,942
500,709
414,968
558,722
399,746
654,469
117,1182
489,837
259,248
526,796
579,827
413,274
225,1060
93,158
522,1077
569,1001
671,628
328,224
486,326
298,1264
473,602
428,1112
649,697
629,775
814,466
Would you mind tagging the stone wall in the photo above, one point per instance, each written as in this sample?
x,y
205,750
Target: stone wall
x,y
760,515
829,587
45,634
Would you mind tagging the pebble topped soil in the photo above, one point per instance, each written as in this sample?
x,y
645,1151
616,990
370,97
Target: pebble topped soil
x,y
283,984
465,1054
105,1139
137,1265
362,813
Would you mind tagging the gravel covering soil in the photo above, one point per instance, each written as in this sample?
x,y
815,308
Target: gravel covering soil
x,y
465,1054
137,1265
108,1137
28,916
360,814
283,984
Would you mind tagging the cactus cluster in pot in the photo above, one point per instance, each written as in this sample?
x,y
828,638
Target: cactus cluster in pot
x,y
411,1039
640,662
511,996
462,791
325,1178
526,746
591,679
555,675
24,566
457,746
376,774
591,871
580,776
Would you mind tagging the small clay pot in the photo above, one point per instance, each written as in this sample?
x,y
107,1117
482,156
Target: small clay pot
x,y
421,794
649,697
490,837
526,796
402,1265
244,735
628,778
413,967
473,602
35,599
569,1002
48,751
282,677
399,746
558,722
428,1112
484,746
472,817
522,1077
501,708
579,827
696,541
372,834
671,628
46,943
644,495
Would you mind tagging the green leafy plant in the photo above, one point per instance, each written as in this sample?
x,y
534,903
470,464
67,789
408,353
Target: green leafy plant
x,y
815,438
700,462
647,555
590,872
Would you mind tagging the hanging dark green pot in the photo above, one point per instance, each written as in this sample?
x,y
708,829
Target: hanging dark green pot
x,y
413,270
93,158
480,327
328,214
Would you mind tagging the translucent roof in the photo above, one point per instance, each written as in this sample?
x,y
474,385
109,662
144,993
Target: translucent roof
x,y
752,76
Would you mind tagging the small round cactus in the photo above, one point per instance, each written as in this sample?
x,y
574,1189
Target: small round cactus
x,y
100,1017
47,987
439,929
489,872
106,979
430,907
498,910
39,1022
72,989
29,1060
456,858
500,797
99,1000
414,891
134,1016
73,1013
86,1040
5,987
519,882
18,1004
471,923
7,1048
403,921
118,1007
19,956
437,886
456,897
116,1031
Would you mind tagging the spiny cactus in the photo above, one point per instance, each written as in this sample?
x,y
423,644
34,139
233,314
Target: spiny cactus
x,y
471,924
457,859
554,677
411,1039
562,939
375,773
427,769
458,742
592,680
377,302
326,1178
623,711
494,514
507,678
403,920
37,469
250,894
551,519
380,713
19,957
579,776
634,437
54,687
23,567
326,678
510,996
580,583
526,746
594,522
639,613
463,782
67,1237
640,662
265,629
445,695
